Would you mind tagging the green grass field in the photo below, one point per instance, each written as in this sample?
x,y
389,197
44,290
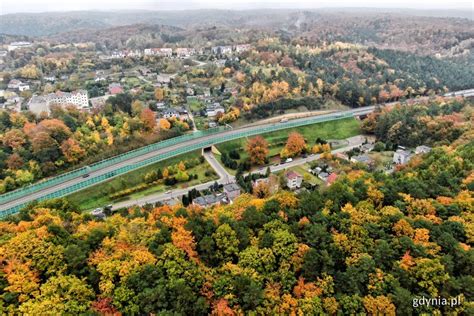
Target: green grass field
x,y
98,195
339,129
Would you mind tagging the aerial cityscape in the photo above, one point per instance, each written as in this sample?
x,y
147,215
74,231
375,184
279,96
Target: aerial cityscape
x,y
273,158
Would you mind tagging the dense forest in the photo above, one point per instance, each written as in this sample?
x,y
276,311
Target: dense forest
x,y
369,243
275,76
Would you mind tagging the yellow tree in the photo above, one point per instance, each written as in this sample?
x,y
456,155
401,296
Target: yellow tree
x,y
159,94
164,124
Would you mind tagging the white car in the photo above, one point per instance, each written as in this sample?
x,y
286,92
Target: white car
x,y
288,160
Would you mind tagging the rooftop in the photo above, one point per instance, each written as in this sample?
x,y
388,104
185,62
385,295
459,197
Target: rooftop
x,y
231,187
292,174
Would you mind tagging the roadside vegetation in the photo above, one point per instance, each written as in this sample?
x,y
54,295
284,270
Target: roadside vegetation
x,y
181,171
276,141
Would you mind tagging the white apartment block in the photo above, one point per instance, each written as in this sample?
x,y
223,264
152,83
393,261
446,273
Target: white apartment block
x,y
17,45
40,104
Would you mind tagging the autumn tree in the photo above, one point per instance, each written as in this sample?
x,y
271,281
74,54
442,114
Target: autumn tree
x,y
147,116
257,149
14,138
72,150
295,145
159,94
164,124
261,190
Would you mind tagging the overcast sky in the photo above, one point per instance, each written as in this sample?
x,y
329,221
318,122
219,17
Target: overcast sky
x,y
12,6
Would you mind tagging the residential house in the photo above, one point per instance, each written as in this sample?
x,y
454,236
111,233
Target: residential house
x,y
363,159
316,170
293,180
23,87
401,156
115,88
323,176
214,110
422,149
210,200
331,179
232,191
170,112
98,213
160,106
14,84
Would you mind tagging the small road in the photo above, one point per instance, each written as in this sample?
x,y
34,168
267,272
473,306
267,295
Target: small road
x,y
353,142
221,171
225,177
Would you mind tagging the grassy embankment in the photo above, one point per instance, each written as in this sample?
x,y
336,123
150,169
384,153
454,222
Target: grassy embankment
x,y
338,129
99,195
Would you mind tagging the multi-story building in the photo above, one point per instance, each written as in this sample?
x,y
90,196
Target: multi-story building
x,y
39,104
221,50
185,52
164,52
293,180
17,45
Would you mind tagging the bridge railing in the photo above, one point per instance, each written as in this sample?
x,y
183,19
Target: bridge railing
x,y
172,153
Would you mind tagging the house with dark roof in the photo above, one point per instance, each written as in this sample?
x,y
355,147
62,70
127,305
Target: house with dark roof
x,y
210,200
232,191
363,159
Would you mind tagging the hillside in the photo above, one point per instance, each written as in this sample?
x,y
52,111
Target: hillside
x,y
396,29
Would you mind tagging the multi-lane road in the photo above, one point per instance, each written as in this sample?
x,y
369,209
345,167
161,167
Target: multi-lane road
x,y
201,142
108,172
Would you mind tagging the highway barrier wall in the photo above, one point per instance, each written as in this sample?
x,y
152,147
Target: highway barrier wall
x,y
147,149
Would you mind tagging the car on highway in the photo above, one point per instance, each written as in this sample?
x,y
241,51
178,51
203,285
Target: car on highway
x,y
168,192
288,160
283,120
